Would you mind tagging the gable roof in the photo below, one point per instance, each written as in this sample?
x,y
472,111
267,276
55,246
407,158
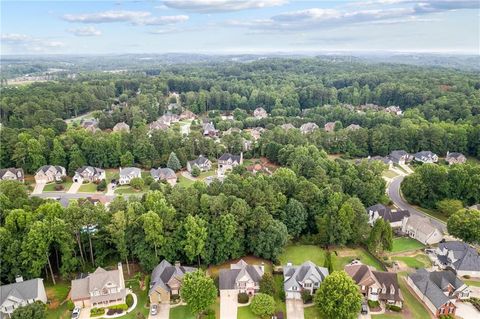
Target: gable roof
x,y
89,169
310,126
424,154
200,161
421,224
228,156
455,155
229,277
53,168
466,257
387,214
398,154
126,171
19,291
163,173
163,272
18,172
294,275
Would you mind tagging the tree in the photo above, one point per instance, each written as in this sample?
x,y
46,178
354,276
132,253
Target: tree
x,y
153,228
137,183
126,159
267,284
295,217
198,291
76,159
338,297
195,171
195,237
173,162
117,230
263,305
465,224
36,310
57,155
449,206
381,237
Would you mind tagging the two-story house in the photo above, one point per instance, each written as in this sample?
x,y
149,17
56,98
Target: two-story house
x,y
227,162
203,164
50,173
260,113
399,157
127,174
455,158
421,229
89,173
306,277
439,290
376,285
241,277
101,288
19,294
164,174
166,281
425,157
458,256
209,129
12,174
394,218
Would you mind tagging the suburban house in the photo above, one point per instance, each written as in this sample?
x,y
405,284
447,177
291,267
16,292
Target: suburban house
x,y
458,256
306,277
376,285
329,127
241,277
353,127
157,125
101,288
385,160
187,115
395,110
260,113
455,158
127,174
121,127
50,173
164,174
168,119
394,218
89,174
421,229
256,132
227,162
439,290
12,174
19,294
399,157
166,281
425,157
287,126
308,128
209,129
203,163
90,125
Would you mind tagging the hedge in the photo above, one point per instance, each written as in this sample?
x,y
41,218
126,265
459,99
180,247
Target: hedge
x,y
129,300
96,312
242,298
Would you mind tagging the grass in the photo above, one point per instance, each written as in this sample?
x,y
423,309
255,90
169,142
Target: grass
x,y
57,295
244,313
312,313
402,244
182,312
415,307
389,174
185,182
469,282
142,298
51,186
126,190
88,188
110,174
417,261
298,254
346,255
388,316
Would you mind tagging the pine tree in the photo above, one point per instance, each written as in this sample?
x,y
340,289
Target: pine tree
x,y
174,162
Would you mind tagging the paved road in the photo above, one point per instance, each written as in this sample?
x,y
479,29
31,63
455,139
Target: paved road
x,y
393,192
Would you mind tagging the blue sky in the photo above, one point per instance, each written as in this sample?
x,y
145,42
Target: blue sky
x,y
239,26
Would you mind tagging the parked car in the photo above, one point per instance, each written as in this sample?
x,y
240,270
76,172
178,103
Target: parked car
x,y
76,313
364,308
153,310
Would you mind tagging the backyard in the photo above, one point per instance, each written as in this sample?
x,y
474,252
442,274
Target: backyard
x,y
57,295
402,244
417,261
297,254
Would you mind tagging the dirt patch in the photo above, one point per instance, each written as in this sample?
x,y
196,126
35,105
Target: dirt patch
x,y
445,88
346,253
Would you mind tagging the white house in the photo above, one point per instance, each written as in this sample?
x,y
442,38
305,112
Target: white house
x,y
306,277
20,294
421,229
425,157
127,174
394,218
89,173
241,277
9,174
227,162
50,173
203,163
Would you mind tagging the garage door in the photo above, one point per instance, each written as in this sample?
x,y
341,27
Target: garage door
x,y
293,295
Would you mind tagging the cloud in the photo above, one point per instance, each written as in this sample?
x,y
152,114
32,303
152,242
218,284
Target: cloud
x,y
215,6
134,17
89,31
23,42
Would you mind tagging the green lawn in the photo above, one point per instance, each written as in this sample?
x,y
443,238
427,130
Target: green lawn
x,y
312,313
298,254
469,282
51,186
402,244
433,213
57,295
346,255
88,188
388,316
418,261
389,174
182,312
411,302
185,182
126,190
206,174
110,174
142,296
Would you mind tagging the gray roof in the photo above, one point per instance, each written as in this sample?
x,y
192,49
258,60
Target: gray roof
x,y
228,156
164,272
431,284
454,155
201,160
228,277
163,173
294,275
57,169
81,288
387,214
94,170
466,258
130,170
24,290
424,154
18,172
397,154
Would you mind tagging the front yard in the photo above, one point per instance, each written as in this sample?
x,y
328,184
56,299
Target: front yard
x,y
402,244
88,188
50,187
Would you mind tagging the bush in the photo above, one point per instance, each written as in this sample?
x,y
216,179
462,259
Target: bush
x,y
95,312
195,171
102,186
137,183
59,187
466,276
281,295
242,298
267,284
373,304
262,305
175,298
129,300
394,308
149,180
306,297
155,186
209,314
122,307
447,317
475,302
70,305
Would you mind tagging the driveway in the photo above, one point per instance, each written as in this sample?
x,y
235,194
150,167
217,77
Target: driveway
x,y
228,304
466,311
110,190
85,313
294,309
74,188
163,312
38,188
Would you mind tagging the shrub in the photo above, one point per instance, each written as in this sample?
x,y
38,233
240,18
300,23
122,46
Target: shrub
x,y
281,295
70,305
267,284
155,186
394,308
95,312
175,298
447,317
466,276
373,304
122,307
262,305
129,300
59,187
102,186
306,297
242,298
195,171
209,314
149,180
137,183
475,302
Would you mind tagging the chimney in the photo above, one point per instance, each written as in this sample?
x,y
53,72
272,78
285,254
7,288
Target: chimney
x,y
121,280
289,264
177,264
262,267
241,158
18,278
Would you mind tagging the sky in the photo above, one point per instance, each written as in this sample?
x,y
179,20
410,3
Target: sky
x,y
239,26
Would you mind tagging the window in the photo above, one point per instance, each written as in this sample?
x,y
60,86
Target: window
x,y
307,285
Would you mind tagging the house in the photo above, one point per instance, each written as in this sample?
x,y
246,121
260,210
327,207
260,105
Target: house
x,y
395,110
187,115
376,285
455,158
227,162
385,160
425,157
421,229
458,256
127,174
399,157
101,288
89,173
308,128
256,168
256,132
164,174
90,125
260,113
50,173
19,294
209,129
203,163
241,277
287,126
12,174
166,281
157,125
476,206
394,218
172,106
439,290
329,127
353,127
306,277
121,127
